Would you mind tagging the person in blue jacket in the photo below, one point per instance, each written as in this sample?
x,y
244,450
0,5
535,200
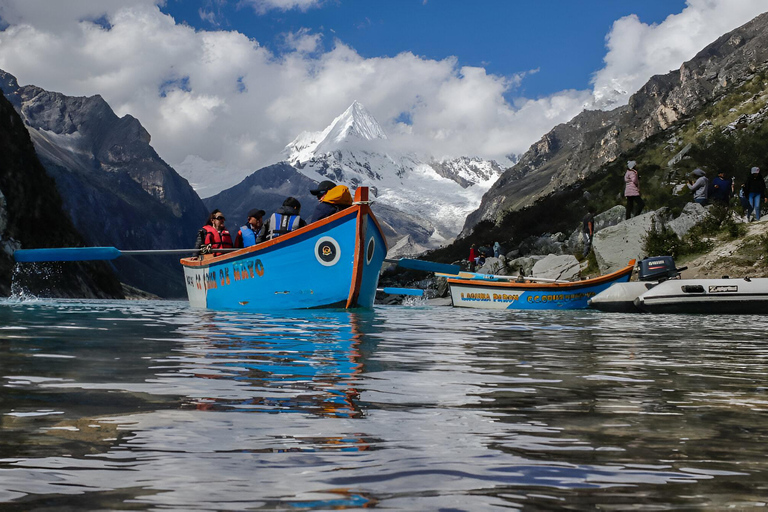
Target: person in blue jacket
x,y
249,232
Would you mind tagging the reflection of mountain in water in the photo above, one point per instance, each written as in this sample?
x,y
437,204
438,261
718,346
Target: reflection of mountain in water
x,y
286,365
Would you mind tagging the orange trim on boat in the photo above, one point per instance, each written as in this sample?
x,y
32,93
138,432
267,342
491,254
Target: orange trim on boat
x,y
548,286
361,195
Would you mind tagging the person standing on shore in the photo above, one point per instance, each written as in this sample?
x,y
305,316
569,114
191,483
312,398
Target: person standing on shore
x,y
754,189
635,203
473,256
700,187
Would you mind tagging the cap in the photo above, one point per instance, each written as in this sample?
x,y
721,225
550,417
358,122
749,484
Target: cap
x,y
631,164
292,202
256,213
322,188
698,172
755,170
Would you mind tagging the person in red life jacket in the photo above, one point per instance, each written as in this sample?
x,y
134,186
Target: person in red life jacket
x,y
286,219
331,198
249,232
214,233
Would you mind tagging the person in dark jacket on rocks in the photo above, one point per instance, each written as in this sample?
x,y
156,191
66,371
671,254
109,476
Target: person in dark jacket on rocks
x,y
249,232
286,219
754,189
721,189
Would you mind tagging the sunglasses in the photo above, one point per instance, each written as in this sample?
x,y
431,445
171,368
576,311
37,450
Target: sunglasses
x,y
219,218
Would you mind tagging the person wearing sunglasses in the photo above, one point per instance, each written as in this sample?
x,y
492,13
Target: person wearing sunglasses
x,y
214,233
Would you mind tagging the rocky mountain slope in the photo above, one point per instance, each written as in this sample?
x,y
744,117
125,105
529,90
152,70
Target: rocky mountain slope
x,y
114,186
573,151
31,216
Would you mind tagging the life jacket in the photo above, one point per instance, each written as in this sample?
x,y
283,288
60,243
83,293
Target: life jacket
x,y
339,196
249,237
281,223
217,240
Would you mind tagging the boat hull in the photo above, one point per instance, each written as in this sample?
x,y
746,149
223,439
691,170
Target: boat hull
x,y
620,297
333,263
720,296
493,294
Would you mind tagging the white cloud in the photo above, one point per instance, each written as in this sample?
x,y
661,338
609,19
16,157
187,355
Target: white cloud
x,y
262,6
637,51
224,98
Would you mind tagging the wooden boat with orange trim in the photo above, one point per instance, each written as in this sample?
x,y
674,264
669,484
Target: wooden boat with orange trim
x,y
504,292
332,263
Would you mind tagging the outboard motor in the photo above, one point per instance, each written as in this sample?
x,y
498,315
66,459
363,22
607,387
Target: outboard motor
x,y
658,268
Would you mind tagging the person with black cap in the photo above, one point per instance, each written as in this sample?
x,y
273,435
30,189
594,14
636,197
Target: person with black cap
x,y
249,232
754,189
331,199
284,220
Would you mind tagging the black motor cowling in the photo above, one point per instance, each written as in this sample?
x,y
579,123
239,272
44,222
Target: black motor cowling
x,y
658,268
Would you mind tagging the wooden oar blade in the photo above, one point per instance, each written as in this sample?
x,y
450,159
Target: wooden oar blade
x,y
403,291
426,266
66,254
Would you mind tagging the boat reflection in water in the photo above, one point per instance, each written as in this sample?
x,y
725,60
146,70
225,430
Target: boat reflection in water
x,y
304,363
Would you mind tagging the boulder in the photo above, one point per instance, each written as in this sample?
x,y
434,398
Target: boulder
x,y
545,244
523,265
494,266
607,218
557,267
615,245
693,213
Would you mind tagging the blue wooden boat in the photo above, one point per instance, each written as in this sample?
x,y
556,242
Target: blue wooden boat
x,y
332,263
505,292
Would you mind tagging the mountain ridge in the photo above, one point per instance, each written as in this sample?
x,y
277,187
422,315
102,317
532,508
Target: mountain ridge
x,y
106,169
572,151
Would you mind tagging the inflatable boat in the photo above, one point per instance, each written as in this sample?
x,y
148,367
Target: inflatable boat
x,y
659,289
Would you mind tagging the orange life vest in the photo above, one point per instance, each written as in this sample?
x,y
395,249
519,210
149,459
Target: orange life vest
x,y
217,240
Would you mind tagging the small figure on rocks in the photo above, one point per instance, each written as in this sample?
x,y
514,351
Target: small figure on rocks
x,y
635,203
754,189
473,256
700,187
496,249
588,230
721,189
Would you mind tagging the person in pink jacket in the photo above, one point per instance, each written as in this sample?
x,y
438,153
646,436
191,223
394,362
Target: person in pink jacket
x,y
635,203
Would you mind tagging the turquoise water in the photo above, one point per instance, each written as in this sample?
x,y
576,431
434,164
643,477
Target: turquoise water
x,y
142,405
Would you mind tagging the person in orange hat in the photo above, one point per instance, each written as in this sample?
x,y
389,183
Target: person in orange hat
x,y
331,198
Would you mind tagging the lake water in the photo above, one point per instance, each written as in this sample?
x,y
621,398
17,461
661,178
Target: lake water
x,y
137,405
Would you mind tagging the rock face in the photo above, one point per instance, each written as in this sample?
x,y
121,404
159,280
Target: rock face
x,y
616,245
564,267
31,216
576,149
114,186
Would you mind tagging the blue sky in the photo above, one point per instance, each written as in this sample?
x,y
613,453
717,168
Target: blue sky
x,y
564,39
225,85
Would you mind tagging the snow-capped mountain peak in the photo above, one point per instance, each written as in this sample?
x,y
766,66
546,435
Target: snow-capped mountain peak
x,y
355,122
354,128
